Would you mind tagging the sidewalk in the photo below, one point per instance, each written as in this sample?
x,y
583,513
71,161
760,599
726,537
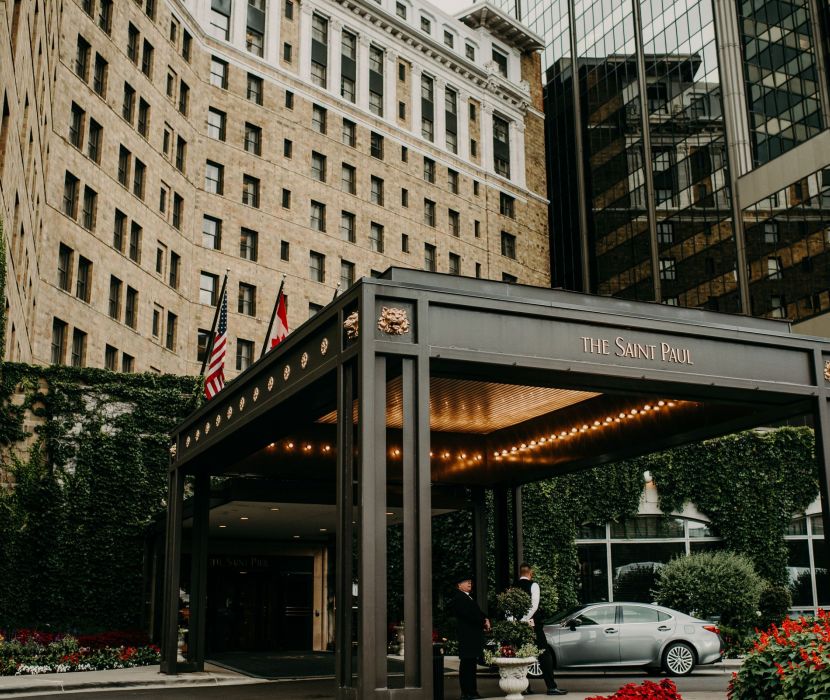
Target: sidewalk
x,y
122,678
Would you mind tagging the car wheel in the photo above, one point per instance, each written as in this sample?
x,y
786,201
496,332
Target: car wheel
x,y
535,670
678,659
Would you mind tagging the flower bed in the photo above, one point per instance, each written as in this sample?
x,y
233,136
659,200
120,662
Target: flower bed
x,y
30,652
787,661
648,690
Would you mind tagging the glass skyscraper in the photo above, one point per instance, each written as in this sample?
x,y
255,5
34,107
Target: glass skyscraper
x,y
688,150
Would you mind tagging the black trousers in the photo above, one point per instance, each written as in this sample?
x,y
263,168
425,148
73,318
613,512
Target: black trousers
x,y
467,676
546,659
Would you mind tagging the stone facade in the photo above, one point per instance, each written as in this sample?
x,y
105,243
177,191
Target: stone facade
x,y
126,190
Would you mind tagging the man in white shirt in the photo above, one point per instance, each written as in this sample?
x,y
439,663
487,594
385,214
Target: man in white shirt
x,y
533,617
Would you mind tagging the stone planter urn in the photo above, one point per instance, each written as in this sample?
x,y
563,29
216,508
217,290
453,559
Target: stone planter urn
x,y
513,675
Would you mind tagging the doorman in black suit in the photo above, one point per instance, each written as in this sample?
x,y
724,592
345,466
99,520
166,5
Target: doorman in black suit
x,y
471,625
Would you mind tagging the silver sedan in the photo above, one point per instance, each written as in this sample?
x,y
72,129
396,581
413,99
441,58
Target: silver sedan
x,y
632,634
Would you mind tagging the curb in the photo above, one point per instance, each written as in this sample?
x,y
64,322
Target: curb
x,y
59,686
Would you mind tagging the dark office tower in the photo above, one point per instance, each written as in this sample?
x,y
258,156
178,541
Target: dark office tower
x,y
688,152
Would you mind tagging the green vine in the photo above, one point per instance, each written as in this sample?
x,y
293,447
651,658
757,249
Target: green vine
x,y
3,319
72,527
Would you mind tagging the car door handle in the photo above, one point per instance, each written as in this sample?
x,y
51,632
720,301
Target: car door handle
x,y
610,630
663,628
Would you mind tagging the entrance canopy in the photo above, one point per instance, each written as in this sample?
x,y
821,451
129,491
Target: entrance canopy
x,y
411,388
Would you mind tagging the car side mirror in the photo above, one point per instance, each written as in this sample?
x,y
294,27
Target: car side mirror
x,y
573,624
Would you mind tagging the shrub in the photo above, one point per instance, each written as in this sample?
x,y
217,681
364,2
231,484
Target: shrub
x,y
664,690
790,661
774,604
512,635
712,584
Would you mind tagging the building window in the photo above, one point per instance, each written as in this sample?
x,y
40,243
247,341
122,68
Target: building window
x,y
319,29
254,89
286,198
82,59
105,15
377,191
110,358
429,257
404,154
318,119
318,216
500,59
668,269
510,279
347,227
286,52
289,99
253,139
376,237
187,42
771,232
665,232
429,170
376,103
318,166
318,74
287,148
65,255
427,129
449,39
211,232
477,229
244,354
452,180
254,41
143,118
218,72
70,195
777,307
99,76
156,326
138,178
346,274
349,133
214,177
76,126
317,266
288,9
134,250
83,282
404,197
508,245
175,262
131,308
78,358
247,299
216,124
59,330
429,212
774,268
220,23
348,178
285,251
170,338
181,153
426,24
454,219
376,145
128,105
147,52
454,264
470,52
89,211
127,363
208,288
118,230
248,244
501,147
250,191
184,97
405,243
507,205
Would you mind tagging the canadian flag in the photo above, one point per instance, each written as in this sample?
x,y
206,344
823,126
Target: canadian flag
x,y
278,328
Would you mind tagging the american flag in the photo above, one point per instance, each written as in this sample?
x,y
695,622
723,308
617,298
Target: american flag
x,y
215,377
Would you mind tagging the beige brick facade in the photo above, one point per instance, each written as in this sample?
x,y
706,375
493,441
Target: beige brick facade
x,y
64,262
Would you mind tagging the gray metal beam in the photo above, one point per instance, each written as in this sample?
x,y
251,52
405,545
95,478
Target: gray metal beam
x,y
479,505
198,570
172,558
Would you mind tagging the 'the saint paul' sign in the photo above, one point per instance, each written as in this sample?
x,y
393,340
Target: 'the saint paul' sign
x,y
620,347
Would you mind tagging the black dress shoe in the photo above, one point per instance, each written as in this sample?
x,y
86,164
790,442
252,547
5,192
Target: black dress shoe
x,y
557,691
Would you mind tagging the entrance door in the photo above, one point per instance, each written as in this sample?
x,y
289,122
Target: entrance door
x,y
260,603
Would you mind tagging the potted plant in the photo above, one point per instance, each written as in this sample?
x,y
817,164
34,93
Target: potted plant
x,y
514,650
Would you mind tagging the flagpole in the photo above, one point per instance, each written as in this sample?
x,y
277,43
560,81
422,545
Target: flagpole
x,y
271,322
336,291
212,336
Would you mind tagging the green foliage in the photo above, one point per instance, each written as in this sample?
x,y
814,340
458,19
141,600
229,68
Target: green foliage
x,y
774,604
2,287
790,662
72,528
513,602
511,632
712,584
748,484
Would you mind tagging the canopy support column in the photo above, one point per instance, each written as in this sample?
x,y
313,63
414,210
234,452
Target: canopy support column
x,y
480,546
822,437
517,529
198,571
501,532
173,555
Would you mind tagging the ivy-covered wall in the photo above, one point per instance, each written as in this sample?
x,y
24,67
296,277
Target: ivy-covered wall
x,y
72,527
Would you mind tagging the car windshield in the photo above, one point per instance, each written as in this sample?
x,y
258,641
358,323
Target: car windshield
x,y
563,615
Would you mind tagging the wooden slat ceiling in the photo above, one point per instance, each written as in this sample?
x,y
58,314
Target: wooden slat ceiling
x,y
468,406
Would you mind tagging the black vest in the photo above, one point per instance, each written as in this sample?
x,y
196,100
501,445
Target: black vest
x,y
526,585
